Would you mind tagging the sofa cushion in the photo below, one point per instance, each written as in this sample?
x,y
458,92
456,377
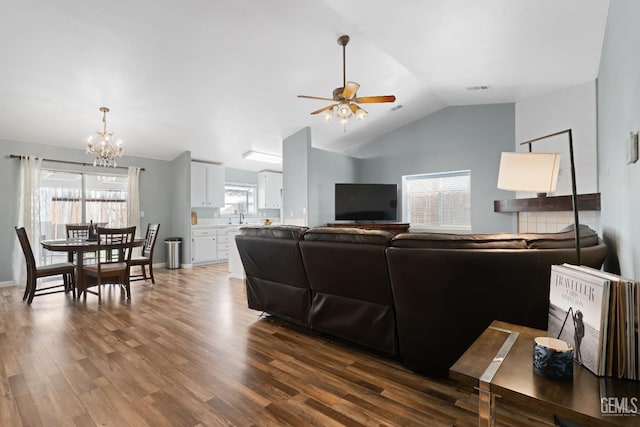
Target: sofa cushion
x,y
348,235
292,232
459,241
564,239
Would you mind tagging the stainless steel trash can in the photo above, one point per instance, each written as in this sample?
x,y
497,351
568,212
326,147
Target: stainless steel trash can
x,y
174,252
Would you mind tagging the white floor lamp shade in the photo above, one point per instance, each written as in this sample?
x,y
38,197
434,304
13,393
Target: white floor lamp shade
x,y
531,172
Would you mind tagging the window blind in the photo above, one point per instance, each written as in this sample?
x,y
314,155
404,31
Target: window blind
x,y
438,200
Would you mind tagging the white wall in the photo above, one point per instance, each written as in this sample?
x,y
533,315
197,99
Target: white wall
x,y
455,138
618,114
575,109
180,204
295,176
325,170
309,177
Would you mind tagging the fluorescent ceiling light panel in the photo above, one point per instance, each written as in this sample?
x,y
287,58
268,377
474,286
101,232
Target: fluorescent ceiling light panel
x,y
262,157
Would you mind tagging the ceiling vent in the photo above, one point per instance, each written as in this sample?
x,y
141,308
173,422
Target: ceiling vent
x,y
396,108
479,87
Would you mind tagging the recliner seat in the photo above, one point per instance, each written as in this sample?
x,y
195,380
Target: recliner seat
x,y
349,280
275,277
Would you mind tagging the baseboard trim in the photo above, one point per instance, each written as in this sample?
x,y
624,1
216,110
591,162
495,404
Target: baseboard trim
x,y
7,284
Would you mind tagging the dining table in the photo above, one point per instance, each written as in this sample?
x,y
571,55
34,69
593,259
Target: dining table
x,y
79,246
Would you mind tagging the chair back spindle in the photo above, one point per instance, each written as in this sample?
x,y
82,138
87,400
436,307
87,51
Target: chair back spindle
x,y
146,258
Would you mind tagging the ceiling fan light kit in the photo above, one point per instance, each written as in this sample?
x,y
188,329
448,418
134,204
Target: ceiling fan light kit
x,y
345,97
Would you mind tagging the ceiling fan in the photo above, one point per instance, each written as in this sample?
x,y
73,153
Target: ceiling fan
x,y
345,98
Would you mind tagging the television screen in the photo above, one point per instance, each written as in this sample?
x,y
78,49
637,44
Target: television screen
x,y
366,202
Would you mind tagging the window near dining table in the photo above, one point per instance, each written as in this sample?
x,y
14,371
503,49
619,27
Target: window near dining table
x,y
78,198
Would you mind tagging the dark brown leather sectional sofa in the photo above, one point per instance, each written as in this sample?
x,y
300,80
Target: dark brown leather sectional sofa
x,y
420,297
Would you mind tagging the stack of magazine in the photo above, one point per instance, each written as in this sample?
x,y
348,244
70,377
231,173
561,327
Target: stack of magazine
x,y
597,313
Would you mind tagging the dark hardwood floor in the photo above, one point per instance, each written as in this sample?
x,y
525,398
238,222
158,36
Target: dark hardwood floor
x,y
188,352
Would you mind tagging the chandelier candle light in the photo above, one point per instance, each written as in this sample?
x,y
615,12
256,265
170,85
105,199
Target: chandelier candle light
x,y
105,151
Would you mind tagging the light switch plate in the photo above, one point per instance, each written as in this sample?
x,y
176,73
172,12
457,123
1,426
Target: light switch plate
x,y
632,155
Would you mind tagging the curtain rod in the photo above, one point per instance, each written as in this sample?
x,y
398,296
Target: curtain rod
x,y
68,162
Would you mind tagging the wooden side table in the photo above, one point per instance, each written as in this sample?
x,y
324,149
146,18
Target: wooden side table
x,y
500,364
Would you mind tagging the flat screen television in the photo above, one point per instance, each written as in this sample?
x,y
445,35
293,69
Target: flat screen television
x,y
366,202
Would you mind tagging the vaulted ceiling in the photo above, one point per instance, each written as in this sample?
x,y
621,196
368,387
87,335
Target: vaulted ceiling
x,y
221,77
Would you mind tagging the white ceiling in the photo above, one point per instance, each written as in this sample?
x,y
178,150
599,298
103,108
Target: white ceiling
x,y
221,77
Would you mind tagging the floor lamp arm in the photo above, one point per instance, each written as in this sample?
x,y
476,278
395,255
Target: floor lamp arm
x,y
574,192
574,197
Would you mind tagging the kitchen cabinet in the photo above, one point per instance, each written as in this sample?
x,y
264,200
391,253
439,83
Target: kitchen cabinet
x,y
204,246
236,268
222,245
269,190
209,245
207,185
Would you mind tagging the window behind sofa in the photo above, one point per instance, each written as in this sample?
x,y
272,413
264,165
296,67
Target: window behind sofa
x,y
438,201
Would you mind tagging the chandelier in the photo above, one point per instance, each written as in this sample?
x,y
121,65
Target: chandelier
x,y
104,150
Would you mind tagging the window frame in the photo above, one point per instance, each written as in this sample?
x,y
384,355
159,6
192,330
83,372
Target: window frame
x,y
251,214
83,200
432,227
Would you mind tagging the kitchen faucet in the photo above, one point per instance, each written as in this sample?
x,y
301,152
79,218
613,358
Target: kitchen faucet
x,y
241,218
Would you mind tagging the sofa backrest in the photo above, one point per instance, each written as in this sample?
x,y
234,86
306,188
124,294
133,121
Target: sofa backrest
x,y
458,241
463,290
348,235
349,279
276,279
287,232
563,239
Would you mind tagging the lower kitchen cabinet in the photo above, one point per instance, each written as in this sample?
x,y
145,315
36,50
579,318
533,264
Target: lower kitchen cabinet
x,y
209,246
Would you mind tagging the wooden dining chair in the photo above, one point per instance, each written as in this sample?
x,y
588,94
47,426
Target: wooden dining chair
x,y
35,272
146,258
113,264
79,231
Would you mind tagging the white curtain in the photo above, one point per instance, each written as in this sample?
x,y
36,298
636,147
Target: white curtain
x,y
133,199
28,214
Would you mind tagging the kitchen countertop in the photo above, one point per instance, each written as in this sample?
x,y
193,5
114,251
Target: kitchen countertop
x,y
225,226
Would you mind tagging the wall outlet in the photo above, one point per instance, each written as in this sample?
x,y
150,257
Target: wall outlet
x,y
141,214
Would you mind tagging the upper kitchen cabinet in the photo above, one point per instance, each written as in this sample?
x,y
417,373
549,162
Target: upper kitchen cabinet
x,y
207,185
269,190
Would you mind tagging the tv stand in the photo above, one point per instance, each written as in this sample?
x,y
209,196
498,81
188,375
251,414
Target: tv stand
x,y
392,227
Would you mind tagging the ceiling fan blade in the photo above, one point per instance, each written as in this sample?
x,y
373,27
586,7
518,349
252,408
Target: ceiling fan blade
x,y
316,97
374,99
324,109
350,90
354,108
